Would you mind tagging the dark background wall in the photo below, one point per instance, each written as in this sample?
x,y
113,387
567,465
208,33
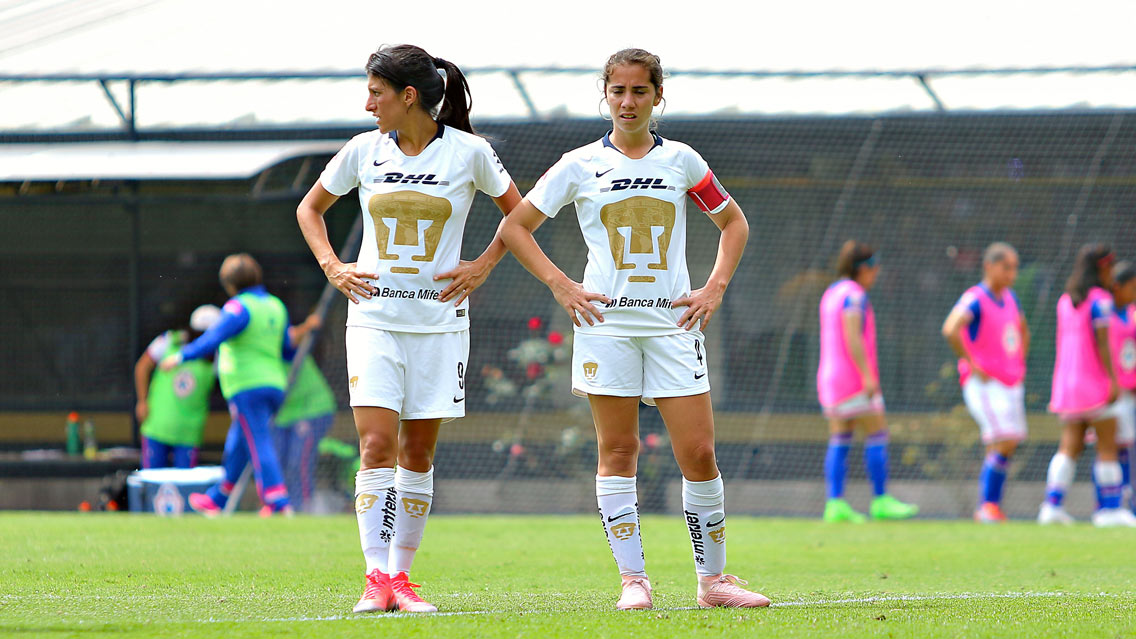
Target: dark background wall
x,y
929,191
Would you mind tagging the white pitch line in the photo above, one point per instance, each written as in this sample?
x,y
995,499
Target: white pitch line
x,y
943,597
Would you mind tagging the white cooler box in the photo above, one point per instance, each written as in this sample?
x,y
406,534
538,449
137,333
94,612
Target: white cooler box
x,y
165,491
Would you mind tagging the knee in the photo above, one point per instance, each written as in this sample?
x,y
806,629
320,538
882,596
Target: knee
x,y
415,456
624,449
376,450
701,457
620,455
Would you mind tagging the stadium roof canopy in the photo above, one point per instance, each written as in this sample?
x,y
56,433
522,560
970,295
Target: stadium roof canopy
x,y
95,65
150,160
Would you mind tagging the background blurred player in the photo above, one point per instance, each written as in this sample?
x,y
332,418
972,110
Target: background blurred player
x,y
173,405
849,388
1084,387
407,333
1122,341
988,332
252,341
302,421
630,190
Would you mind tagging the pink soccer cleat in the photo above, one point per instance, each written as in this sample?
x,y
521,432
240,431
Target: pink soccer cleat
x,y
204,504
267,511
405,598
636,594
377,594
989,513
724,591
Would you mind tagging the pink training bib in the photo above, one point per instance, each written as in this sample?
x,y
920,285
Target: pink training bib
x,y
837,376
997,347
1080,383
1122,342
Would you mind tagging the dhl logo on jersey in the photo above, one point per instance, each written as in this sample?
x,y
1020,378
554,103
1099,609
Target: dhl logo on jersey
x,y
626,184
394,177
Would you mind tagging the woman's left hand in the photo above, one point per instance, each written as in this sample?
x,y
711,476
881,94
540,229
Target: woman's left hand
x,y
466,277
700,304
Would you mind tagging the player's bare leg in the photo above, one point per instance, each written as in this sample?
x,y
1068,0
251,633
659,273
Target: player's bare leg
x,y
884,506
1109,479
836,508
414,485
690,423
617,438
1062,468
375,503
992,480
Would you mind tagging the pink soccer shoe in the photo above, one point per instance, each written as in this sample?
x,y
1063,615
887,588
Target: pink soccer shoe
x,y
725,591
377,595
405,597
636,594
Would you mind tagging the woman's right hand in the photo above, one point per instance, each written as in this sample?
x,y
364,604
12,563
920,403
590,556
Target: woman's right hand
x,y
871,386
350,281
578,302
977,372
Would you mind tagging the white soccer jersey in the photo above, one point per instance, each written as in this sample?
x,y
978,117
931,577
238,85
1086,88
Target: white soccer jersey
x,y
633,217
414,214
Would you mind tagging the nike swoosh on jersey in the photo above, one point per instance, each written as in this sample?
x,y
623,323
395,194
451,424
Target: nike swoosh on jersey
x,y
381,163
611,519
697,376
458,400
711,525
598,174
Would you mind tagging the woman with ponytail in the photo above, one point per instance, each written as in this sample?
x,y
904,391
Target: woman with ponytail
x,y
630,189
408,324
1085,386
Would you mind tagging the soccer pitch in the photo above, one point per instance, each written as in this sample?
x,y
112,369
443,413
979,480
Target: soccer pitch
x,y
552,576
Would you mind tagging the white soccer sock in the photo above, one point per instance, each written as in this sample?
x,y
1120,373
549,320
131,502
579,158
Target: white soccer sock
x,y
415,495
619,514
1061,471
375,510
704,506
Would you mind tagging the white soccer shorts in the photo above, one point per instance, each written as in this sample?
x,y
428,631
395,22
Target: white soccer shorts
x,y
417,375
1000,410
647,367
856,406
1124,410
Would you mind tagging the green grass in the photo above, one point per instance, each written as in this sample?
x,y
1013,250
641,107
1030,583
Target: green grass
x,y
551,576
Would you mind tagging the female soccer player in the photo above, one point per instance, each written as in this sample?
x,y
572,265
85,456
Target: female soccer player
x,y
989,334
848,385
630,190
1122,341
1084,387
407,330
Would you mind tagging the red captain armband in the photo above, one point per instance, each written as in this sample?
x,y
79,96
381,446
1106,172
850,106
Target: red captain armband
x,y
709,194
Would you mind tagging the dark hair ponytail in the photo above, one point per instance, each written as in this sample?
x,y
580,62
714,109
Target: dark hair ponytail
x,y
405,65
1086,271
853,256
458,100
1122,273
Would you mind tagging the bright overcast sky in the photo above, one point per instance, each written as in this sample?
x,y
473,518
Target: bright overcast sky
x,y
259,35
177,35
